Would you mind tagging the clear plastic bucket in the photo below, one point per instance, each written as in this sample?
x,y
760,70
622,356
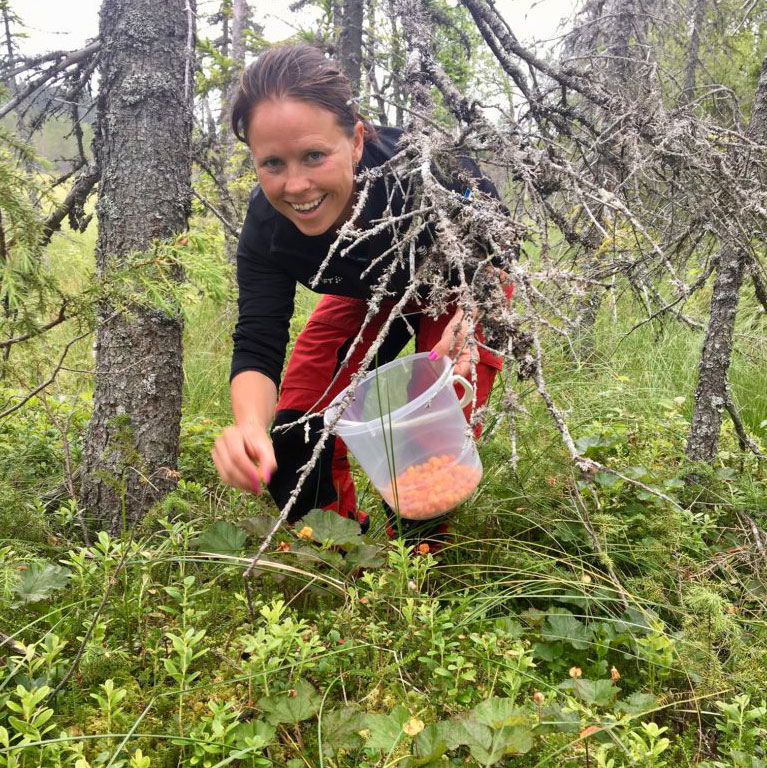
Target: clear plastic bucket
x,y
406,428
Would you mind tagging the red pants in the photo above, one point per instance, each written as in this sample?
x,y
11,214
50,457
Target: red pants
x,y
306,387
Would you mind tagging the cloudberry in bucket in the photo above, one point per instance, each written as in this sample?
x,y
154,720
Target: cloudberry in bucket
x,y
432,488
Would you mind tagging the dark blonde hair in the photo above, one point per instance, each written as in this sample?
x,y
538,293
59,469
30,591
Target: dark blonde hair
x,y
300,72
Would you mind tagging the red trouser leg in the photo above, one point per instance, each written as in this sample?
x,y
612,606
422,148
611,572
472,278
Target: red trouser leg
x,y
313,378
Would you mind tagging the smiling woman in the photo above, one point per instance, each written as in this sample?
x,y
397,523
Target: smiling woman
x,y
295,111
305,162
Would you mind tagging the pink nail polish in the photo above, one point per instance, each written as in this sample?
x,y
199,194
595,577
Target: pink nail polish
x,y
254,482
433,355
267,476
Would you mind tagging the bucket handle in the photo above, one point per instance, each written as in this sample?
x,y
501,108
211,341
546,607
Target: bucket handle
x,y
468,390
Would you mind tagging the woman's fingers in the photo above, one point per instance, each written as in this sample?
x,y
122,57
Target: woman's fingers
x,y
463,363
259,448
227,466
244,458
453,344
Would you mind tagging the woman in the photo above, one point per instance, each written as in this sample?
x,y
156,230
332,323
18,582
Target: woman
x,y
295,111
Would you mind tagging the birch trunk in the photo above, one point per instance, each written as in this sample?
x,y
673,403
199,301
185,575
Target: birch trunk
x,y
143,145
712,393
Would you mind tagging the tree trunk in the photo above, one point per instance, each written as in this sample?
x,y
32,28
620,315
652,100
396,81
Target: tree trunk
x,y
350,43
230,207
396,63
712,392
622,64
143,145
624,29
693,50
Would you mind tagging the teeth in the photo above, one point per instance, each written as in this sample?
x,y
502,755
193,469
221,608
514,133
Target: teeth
x,y
308,206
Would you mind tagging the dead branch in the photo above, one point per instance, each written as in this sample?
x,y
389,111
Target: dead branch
x,y
744,439
60,318
40,387
75,200
54,71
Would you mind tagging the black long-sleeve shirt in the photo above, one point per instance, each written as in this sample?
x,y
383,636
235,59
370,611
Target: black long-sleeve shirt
x,y
273,255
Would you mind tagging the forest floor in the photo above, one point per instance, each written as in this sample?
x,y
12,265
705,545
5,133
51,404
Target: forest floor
x,y
574,620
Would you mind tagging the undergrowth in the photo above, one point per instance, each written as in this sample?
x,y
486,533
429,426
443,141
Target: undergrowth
x,y
574,620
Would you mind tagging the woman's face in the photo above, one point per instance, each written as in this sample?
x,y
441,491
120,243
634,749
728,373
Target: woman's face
x,y
305,162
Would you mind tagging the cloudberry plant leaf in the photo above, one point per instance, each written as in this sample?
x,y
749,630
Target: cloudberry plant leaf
x,y
221,538
255,734
364,556
638,703
498,712
292,706
386,730
340,730
561,625
258,525
39,580
597,692
326,525
429,746
554,720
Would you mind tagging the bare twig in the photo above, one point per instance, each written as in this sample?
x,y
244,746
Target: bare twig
x,y
54,71
40,387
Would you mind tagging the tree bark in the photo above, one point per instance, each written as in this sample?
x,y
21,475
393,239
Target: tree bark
x,y
712,393
226,169
693,50
350,42
143,146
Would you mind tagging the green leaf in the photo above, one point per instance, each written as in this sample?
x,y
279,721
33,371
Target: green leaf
x,y
497,713
744,760
606,479
554,720
293,706
386,730
340,730
562,625
516,740
597,692
221,538
256,734
429,746
326,525
39,580
470,733
634,622
364,556
638,704
431,741
258,525
585,443
548,651
638,473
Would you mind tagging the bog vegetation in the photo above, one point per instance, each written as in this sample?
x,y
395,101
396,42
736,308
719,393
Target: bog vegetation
x,y
601,614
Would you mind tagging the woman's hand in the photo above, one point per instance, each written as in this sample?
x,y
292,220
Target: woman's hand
x,y
244,456
453,343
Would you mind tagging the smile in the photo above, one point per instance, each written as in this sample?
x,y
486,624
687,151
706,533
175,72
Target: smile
x,y
304,207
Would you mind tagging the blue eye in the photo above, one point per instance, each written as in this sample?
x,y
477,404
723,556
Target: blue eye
x,y
315,156
271,163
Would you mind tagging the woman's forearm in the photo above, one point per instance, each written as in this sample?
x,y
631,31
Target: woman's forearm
x,y
254,399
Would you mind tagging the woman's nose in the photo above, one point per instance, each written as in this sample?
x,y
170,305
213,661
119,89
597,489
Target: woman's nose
x,y
296,181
